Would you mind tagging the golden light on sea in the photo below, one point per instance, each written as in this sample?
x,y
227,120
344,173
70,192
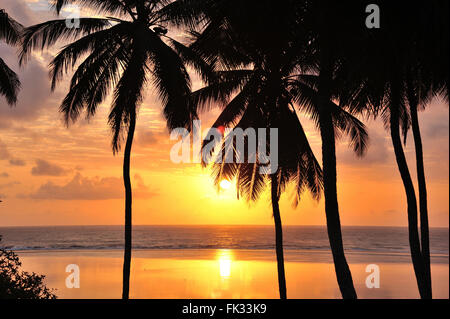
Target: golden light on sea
x,y
225,257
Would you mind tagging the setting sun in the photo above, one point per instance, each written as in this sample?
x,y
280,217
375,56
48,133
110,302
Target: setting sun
x,y
225,184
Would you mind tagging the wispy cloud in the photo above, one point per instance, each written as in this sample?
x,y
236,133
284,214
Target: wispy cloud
x,y
45,168
85,188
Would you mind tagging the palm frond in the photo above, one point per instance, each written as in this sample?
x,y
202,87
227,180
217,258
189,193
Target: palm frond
x,y
9,29
111,7
233,112
233,162
9,83
185,13
172,81
351,127
190,57
93,80
67,58
220,91
217,45
43,35
128,94
307,99
237,105
309,173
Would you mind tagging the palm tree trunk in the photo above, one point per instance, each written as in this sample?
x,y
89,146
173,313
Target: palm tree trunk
x,y
414,242
128,205
343,274
278,237
424,227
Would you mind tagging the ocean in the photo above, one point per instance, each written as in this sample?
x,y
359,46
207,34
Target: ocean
x,y
223,261
383,240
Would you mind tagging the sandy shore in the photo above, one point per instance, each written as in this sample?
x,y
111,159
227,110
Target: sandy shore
x,y
227,274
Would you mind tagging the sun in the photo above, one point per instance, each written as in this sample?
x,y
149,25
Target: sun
x,y
225,184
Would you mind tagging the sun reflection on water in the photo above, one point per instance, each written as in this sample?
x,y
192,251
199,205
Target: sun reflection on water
x,y
224,257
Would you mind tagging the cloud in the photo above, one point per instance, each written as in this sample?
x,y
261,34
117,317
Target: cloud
x,y
377,152
34,96
4,153
85,188
17,162
4,124
44,168
149,138
18,10
437,129
10,184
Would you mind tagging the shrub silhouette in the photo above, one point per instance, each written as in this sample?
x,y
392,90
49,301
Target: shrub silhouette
x,y
17,284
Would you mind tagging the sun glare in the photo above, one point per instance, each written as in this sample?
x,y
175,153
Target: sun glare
x,y
224,256
225,184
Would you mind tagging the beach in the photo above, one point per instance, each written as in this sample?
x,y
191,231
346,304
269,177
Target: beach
x,y
227,273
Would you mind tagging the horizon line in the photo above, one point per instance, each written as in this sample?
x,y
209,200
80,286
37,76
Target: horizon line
x,y
211,225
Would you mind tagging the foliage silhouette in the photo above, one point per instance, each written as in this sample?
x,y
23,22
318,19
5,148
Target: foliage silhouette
x,y
18,284
273,68
9,81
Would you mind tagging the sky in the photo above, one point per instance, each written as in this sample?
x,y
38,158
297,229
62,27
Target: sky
x,y
51,174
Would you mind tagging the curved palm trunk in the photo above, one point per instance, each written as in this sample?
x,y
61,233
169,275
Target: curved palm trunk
x,y
414,242
343,274
278,237
424,227
128,204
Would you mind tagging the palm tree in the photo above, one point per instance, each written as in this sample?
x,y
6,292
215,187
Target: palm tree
x,y
399,75
124,51
426,79
236,37
9,81
296,163
331,42
414,100
383,79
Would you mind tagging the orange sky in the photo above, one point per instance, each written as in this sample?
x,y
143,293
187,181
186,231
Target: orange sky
x,y
53,175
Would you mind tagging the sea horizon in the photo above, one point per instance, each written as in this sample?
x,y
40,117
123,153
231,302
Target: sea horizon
x,y
212,225
380,239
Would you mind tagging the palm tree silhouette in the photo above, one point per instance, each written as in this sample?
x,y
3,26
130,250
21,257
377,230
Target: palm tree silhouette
x,y
238,34
329,41
9,81
399,76
425,80
296,161
124,50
